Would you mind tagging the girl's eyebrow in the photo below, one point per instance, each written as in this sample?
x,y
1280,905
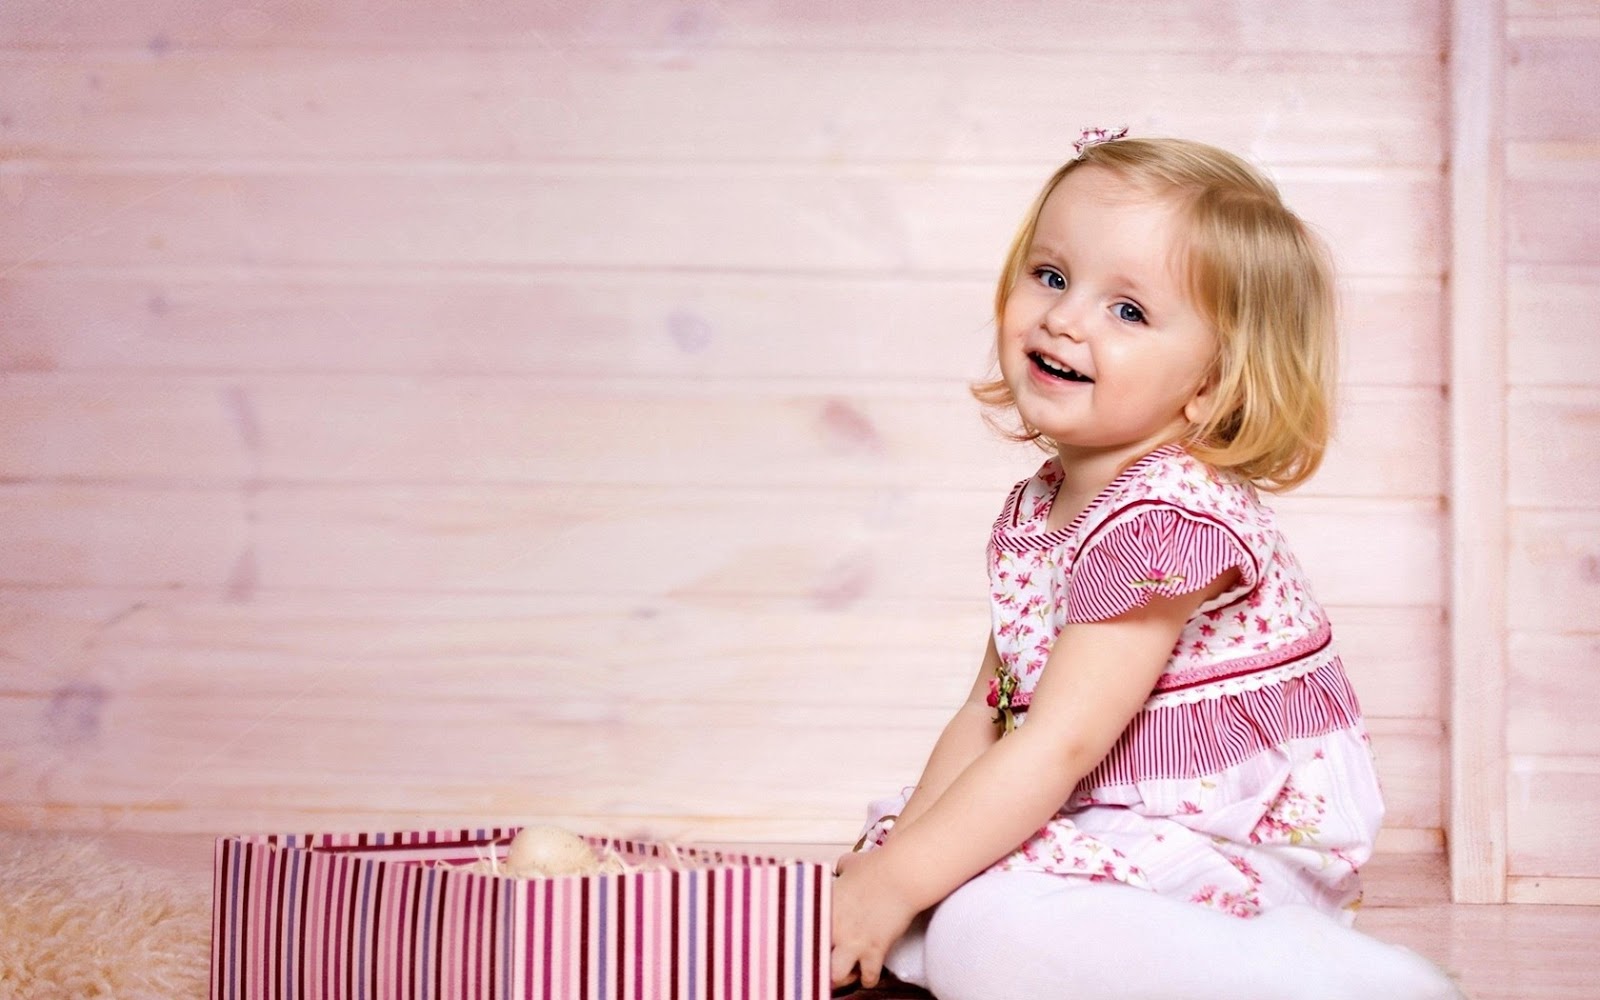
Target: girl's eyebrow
x,y
1133,286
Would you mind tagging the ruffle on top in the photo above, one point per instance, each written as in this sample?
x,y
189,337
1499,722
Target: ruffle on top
x,y
1158,550
1191,740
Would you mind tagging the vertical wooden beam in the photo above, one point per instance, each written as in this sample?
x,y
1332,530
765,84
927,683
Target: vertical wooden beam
x,y
1478,499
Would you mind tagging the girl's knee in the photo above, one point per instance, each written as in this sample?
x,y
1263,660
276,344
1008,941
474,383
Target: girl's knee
x,y
983,934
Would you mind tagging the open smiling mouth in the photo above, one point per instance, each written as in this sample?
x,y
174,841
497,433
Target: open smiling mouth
x,y
1054,370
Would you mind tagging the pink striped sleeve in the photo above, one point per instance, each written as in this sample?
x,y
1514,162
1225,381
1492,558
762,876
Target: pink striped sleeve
x,y
1159,550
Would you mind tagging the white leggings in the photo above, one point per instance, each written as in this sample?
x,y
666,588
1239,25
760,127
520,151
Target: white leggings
x,y
1044,937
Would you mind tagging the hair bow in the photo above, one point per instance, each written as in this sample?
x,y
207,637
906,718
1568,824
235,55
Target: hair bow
x,y
1095,136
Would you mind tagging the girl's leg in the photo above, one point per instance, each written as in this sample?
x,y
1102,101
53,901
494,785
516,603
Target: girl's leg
x,y
1024,934
905,957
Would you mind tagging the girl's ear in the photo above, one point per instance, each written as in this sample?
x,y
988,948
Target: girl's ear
x,y
1199,407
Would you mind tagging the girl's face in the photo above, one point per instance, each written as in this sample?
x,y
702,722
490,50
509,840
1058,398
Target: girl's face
x,y
1099,342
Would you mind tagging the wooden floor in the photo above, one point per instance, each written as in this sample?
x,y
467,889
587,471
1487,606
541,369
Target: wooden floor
x,y
1511,952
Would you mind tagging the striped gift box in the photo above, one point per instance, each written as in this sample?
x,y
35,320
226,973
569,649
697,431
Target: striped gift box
x,y
389,916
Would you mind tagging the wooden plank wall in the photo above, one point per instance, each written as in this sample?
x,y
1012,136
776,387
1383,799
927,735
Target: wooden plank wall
x,y
1552,250
1477,543
450,412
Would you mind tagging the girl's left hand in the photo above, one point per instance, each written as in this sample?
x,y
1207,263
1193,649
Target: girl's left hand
x,y
869,915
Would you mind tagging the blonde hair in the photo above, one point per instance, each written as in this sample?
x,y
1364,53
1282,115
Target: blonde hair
x,y
1262,280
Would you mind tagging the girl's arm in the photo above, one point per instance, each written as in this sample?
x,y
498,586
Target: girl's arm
x,y
1098,677
968,734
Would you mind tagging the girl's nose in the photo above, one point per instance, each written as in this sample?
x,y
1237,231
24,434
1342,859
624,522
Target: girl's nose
x,y
1065,317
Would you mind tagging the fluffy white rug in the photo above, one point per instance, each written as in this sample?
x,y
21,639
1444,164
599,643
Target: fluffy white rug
x,y
77,923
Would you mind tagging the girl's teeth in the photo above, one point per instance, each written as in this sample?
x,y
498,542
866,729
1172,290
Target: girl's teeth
x,y
1060,371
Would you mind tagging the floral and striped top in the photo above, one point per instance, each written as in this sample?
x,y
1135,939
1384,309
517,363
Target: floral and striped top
x,y
1247,778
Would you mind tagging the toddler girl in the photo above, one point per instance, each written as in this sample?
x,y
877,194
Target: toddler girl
x,y
1160,785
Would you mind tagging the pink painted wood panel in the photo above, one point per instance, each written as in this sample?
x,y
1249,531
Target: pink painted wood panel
x,y
1551,84
536,104
332,682
740,650
1552,325
1556,461
1475,836
1555,168
435,429
1558,15
1553,799
398,429
231,762
1551,894
1554,702
611,762
676,32
1547,193
1553,160
420,322
833,547
949,221
1392,655
560,324
1554,578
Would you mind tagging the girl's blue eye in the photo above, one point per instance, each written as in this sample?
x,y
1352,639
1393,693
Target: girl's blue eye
x,y
1051,278
1129,313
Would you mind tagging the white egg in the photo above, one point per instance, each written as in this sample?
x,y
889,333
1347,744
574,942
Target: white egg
x,y
550,850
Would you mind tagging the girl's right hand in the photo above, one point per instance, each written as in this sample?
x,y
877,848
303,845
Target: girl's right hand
x,y
870,912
